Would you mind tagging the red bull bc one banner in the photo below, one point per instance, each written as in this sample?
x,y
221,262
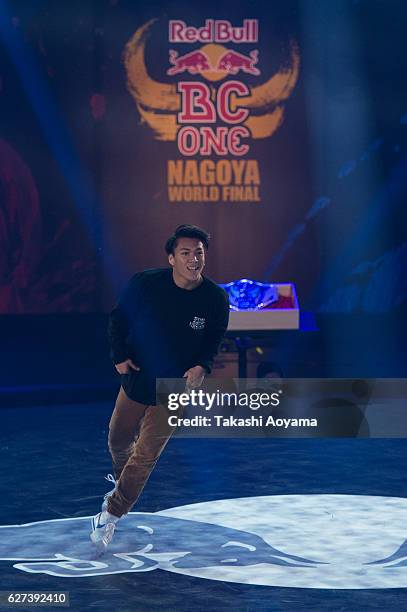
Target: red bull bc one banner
x,y
214,103
258,121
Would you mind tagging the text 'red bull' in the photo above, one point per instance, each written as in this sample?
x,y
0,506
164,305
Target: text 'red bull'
x,y
214,30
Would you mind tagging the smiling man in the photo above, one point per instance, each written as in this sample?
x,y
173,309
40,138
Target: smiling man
x,y
168,324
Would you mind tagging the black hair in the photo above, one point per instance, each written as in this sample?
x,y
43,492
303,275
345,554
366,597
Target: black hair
x,y
186,231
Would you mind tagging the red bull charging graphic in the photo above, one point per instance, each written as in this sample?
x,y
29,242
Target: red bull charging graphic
x,y
214,104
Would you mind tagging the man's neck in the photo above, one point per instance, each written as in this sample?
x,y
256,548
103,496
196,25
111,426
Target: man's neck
x,y
185,284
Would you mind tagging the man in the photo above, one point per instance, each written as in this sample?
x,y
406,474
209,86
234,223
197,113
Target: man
x,y
168,324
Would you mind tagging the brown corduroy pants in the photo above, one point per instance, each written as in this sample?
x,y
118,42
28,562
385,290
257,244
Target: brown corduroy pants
x,y
137,436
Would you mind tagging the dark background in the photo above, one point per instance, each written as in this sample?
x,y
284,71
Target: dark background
x,y
83,206
83,186
83,182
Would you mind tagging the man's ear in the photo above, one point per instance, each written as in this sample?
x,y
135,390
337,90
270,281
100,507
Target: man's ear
x,y
171,259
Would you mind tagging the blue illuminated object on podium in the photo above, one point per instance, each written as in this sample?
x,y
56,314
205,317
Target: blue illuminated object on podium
x,y
245,294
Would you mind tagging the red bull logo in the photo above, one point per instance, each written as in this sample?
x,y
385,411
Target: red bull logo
x,y
232,62
219,120
299,541
198,62
214,30
193,62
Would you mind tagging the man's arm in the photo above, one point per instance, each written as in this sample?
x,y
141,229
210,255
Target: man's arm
x,y
118,329
213,337
215,333
117,333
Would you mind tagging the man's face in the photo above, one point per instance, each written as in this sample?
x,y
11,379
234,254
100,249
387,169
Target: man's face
x,y
188,260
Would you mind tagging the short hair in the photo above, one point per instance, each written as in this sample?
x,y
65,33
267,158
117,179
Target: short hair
x,y
186,231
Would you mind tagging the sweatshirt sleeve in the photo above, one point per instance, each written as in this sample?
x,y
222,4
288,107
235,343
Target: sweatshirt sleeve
x,y
117,334
215,332
119,322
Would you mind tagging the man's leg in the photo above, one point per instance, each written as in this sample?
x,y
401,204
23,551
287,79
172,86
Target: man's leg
x,y
124,426
123,430
134,461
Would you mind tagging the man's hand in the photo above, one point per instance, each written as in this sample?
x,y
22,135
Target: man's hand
x,y
125,366
194,377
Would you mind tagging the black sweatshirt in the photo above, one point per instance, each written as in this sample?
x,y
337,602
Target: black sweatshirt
x,y
165,330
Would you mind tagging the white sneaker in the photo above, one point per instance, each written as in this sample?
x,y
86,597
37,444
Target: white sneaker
x,y
109,478
103,526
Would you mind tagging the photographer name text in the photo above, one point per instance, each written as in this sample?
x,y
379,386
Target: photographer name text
x,y
230,421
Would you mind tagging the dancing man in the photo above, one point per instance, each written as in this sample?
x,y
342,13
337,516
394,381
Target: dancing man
x,y
168,324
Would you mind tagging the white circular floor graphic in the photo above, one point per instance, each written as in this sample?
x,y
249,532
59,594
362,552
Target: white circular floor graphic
x,y
349,541
303,541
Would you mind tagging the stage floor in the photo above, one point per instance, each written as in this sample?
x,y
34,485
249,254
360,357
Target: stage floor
x,y
275,526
